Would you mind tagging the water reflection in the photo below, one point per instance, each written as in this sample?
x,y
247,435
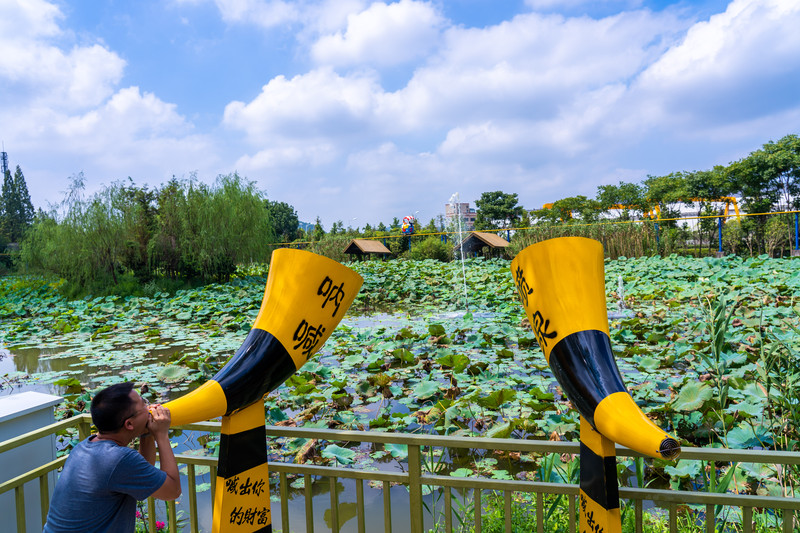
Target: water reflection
x,y
19,367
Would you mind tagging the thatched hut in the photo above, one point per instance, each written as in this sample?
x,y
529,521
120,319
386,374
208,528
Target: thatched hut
x,y
476,241
367,247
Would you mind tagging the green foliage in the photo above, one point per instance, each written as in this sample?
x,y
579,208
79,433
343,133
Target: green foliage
x,y
733,235
284,220
619,240
776,235
332,246
125,236
431,248
773,173
497,209
625,197
318,233
16,210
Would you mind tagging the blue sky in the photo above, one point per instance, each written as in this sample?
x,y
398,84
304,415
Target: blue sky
x,y
362,111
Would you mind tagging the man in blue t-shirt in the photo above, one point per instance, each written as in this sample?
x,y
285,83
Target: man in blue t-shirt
x,y
102,478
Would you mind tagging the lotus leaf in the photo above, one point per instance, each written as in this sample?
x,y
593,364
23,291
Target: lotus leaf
x,y
341,455
692,396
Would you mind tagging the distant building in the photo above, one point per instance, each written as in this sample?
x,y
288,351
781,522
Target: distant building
x,y
468,214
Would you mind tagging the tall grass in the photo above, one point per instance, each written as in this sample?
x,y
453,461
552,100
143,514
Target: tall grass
x,y
628,240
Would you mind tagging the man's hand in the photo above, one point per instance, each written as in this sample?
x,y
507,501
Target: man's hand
x,y
158,425
159,421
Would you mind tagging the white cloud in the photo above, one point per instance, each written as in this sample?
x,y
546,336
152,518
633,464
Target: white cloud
x,y
319,103
533,67
34,70
297,155
545,5
382,35
729,68
64,111
265,13
38,18
127,115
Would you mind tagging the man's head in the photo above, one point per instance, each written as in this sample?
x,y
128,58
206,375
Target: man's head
x,y
113,407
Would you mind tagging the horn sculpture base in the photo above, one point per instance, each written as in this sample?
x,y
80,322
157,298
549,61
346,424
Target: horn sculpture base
x,y
599,492
241,496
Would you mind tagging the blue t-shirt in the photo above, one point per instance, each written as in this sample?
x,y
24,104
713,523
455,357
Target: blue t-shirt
x,y
98,488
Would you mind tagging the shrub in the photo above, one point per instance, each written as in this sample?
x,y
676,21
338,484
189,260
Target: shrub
x,y
431,248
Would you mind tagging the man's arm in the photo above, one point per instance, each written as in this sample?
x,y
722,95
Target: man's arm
x,y
147,447
159,429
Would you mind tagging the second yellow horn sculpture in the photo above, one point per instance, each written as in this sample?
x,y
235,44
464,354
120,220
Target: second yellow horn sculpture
x,y
561,284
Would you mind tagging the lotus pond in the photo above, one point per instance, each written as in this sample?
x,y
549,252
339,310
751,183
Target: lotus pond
x,y
708,347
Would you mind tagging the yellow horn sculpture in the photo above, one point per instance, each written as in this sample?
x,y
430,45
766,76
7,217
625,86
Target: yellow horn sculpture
x,y
305,298
561,283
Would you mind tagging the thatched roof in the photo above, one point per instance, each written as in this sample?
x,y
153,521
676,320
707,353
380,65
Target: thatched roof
x,y
366,246
478,239
481,238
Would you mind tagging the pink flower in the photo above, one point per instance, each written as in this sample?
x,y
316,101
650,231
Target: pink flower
x,y
160,525
138,514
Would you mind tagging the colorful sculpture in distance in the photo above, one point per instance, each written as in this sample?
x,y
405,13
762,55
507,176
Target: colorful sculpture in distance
x,y
561,285
305,298
408,225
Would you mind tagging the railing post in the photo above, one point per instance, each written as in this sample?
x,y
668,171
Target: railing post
x,y
387,507
44,496
151,513
19,501
415,487
334,505
359,506
194,520
796,234
307,487
284,491
719,232
84,429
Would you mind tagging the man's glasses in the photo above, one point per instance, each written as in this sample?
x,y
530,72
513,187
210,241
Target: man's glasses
x,y
146,408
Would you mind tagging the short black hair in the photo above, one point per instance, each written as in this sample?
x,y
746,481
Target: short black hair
x,y
111,406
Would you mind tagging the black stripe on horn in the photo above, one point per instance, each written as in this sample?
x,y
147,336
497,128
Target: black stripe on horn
x,y
584,366
599,478
259,366
241,451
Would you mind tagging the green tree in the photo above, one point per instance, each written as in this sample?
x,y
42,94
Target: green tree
x,y
8,207
667,192
777,169
586,208
430,228
337,228
284,220
16,209
625,197
318,232
497,209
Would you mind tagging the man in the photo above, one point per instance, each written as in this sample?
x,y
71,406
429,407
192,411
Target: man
x,y
102,478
